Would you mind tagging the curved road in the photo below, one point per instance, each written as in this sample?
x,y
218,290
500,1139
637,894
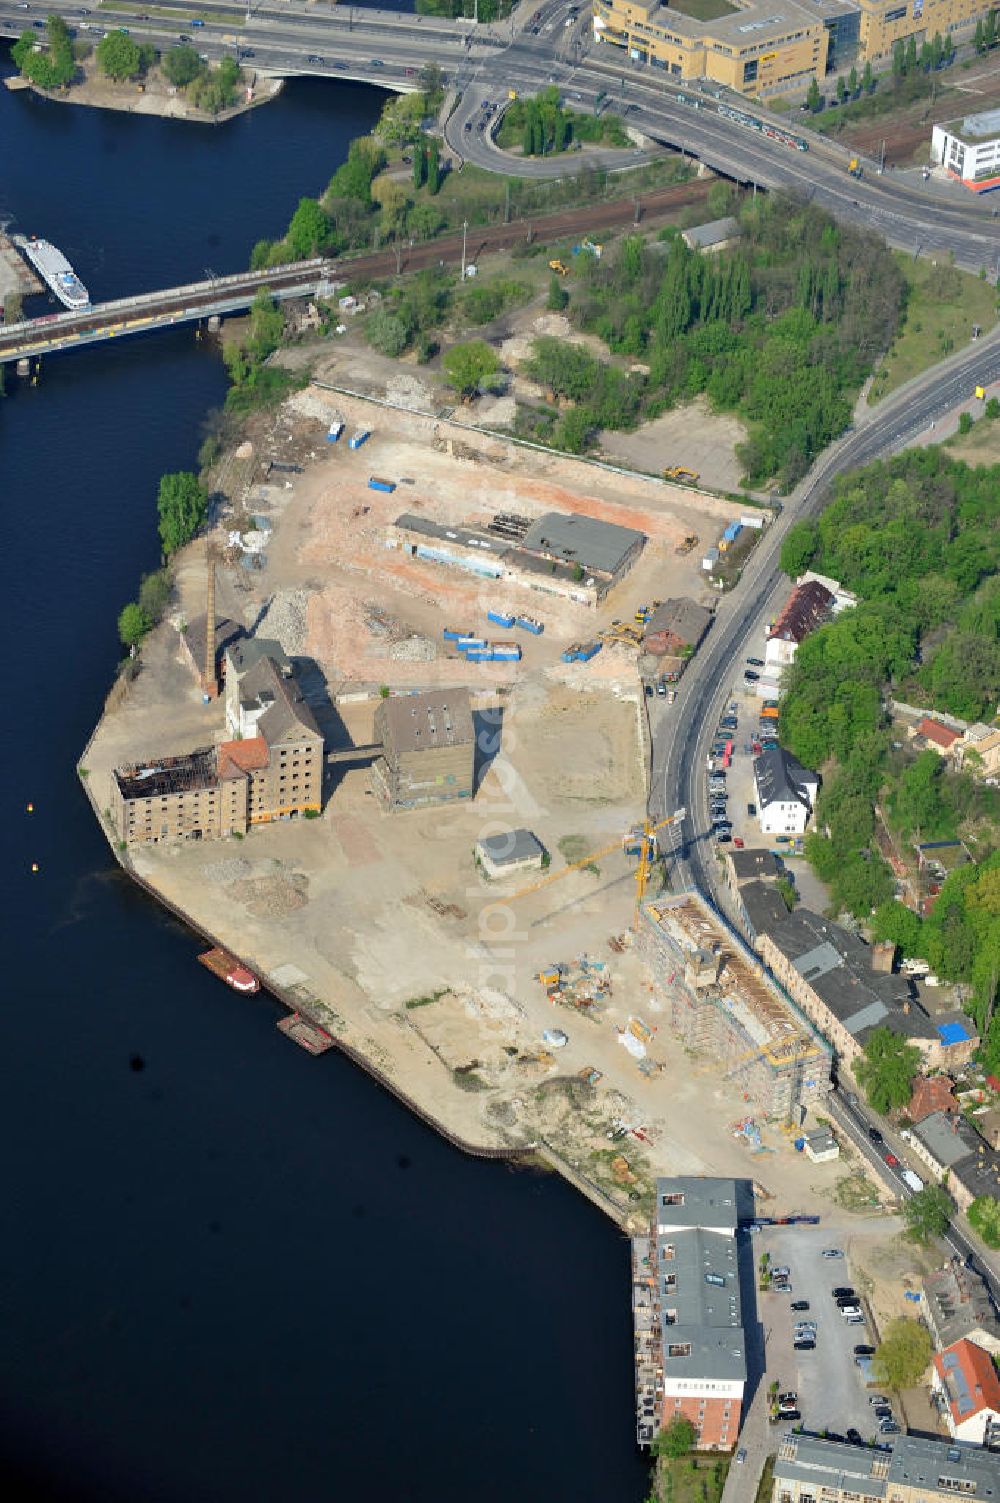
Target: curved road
x,y
683,733
536,48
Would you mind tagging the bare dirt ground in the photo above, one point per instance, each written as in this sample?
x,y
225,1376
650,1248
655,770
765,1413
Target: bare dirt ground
x,y
380,926
693,436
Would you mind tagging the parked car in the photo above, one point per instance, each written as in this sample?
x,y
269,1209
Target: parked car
x,y
804,1346
864,1350
788,1398
832,1252
661,689
800,1304
888,1427
723,837
877,1398
891,1160
755,662
855,1320
750,676
751,810
781,1288
741,1456
851,1310
842,1291
853,1438
781,1272
875,1135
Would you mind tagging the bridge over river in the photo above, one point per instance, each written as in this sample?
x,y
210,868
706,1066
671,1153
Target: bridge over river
x,y
158,310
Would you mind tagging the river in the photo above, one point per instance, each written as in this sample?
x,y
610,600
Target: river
x,y
228,1271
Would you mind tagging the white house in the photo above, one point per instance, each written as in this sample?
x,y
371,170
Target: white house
x,y
967,1389
972,154
786,792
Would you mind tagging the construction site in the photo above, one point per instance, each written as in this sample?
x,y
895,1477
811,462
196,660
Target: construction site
x,y
514,1012
723,1005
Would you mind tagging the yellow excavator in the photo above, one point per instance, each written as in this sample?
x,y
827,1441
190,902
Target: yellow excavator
x,y
681,472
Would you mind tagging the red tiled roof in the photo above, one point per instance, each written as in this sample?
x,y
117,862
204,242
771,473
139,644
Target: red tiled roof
x,y
237,757
802,612
982,1383
938,733
931,1094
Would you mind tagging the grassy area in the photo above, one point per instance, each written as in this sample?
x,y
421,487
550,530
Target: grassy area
x,y
981,445
942,305
483,197
425,1001
691,1479
574,848
766,1489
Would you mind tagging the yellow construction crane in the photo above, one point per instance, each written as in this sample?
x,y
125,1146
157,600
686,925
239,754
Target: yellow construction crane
x,y
639,840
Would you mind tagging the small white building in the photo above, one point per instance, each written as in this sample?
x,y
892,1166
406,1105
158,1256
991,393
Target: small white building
x,y
967,1388
820,1146
972,154
508,853
786,792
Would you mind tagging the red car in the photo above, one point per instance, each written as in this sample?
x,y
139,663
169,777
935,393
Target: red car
x,y
891,1160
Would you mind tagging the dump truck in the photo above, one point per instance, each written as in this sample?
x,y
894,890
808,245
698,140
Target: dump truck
x,y
559,267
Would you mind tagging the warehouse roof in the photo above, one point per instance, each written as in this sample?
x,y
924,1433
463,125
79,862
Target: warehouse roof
x,y
754,863
764,905
948,1139
417,722
700,1200
599,546
247,653
715,232
698,1272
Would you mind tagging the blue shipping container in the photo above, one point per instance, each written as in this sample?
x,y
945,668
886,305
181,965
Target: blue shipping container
x,y
732,532
451,635
470,641
500,618
590,651
506,652
527,624
374,484
357,439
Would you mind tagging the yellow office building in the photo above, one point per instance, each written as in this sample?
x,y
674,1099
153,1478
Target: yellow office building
x,y
764,47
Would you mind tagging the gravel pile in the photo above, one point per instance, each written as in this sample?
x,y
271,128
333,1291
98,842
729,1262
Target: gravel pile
x,y
413,650
409,392
227,871
285,620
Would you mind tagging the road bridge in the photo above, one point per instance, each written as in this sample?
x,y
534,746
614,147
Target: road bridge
x,y
535,48
159,310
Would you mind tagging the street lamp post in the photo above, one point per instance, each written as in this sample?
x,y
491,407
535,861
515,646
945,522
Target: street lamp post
x,y
465,231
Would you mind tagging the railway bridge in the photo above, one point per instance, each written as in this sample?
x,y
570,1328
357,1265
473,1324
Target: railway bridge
x,y
34,337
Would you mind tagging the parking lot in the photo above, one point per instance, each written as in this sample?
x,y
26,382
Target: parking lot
x,y
832,1395
744,704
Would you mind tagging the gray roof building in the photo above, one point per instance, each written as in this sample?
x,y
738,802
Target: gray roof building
x,y
763,906
510,848
245,654
676,625
948,1139
698,1277
957,1304
285,711
747,865
781,779
713,235
598,547
417,722
913,1468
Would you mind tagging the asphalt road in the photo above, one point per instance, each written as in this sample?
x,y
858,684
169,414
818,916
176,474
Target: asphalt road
x,y
536,48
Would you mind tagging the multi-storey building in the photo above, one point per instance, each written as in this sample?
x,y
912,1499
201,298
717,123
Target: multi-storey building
x,y
428,748
688,1309
912,1469
967,1390
274,772
722,1002
759,49
955,1303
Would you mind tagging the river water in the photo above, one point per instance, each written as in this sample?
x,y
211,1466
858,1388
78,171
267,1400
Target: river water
x,y
228,1271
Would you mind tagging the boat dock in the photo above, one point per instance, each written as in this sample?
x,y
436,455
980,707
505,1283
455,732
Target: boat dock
x,y
229,970
307,1035
15,274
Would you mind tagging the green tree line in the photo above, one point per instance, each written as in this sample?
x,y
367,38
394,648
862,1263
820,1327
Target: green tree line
x,y
541,126
781,329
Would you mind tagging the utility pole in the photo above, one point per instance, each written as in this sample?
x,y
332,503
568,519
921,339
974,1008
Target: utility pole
x,y
881,158
465,231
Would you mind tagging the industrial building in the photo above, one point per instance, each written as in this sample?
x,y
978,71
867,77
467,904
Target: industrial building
x,y
971,154
428,749
759,49
687,1309
832,976
908,1469
271,769
577,557
722,1002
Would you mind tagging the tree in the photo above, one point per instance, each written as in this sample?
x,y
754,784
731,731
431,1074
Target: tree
x,y
979,41
468,367
419,164
433,166
841,89
118,56
267,324
911,53
182,504
720,199
308,231
887,1069
133,624
181,66
902,1357
984,1218
898,60
49,68
799,549
558,297
431,81
928,1213
868,79
852,81
386,332
676,1439
155,591
813,96
893,921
